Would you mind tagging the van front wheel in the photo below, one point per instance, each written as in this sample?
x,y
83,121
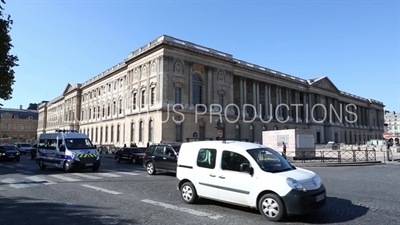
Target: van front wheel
x,y
67,166
271,206
188,193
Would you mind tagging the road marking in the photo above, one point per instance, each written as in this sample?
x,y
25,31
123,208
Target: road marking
x,y
61,177
23,171
41,180
107,220
108,175
87,176
186,210
18,185
129,173
101,189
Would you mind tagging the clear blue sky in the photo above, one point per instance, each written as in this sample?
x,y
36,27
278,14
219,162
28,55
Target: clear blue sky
x,y
354,43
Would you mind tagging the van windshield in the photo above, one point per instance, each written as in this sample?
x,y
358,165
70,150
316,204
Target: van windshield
x,y
269,160
78,143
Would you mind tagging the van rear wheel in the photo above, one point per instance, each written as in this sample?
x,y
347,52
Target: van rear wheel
x,y
188,193
271,207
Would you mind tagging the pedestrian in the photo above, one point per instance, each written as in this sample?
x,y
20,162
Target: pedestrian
x,y
124,145
148,144
284,150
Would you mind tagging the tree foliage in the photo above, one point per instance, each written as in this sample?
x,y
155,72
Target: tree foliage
x,y
7,60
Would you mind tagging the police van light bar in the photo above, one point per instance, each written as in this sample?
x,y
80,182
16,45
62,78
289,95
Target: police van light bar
x,y
67,131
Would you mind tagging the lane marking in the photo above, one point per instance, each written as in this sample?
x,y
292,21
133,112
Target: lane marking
x,y
87,176
61,177
108,175
41,180
23,171
181,209
18,185
101,189
129,173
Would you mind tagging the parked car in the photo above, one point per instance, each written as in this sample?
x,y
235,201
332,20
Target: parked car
x,y
132,155
33,151
24,148
9,152
247,174
161,157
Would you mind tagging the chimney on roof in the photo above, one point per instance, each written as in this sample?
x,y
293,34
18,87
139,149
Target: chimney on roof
x,y
20,106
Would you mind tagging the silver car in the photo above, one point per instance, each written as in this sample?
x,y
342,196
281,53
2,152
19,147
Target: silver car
x,y
23,148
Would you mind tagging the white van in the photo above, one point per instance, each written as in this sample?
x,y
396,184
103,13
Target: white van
x,y
67,149
247,174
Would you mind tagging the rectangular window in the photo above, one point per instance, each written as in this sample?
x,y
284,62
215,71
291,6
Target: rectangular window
x,y
178,132
112,134
143,98
178,95
101,135
96,135
151,124
118,132
206,158
91,134
98,111
152,95
106,137
108,110
221,100
134,100
141,131
114,107
120,106
132,132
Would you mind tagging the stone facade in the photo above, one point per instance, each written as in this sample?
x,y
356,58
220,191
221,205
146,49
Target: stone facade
x,y
18,125
392,122
170,89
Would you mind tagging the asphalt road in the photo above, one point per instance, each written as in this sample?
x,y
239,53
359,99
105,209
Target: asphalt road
x,y
124,194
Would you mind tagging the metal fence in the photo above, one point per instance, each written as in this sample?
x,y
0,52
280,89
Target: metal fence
x,y
340,156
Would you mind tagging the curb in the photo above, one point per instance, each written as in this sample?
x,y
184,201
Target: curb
x,y
337,164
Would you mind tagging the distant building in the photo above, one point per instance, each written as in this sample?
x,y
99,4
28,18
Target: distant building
x,y
392,120
169,89
19,125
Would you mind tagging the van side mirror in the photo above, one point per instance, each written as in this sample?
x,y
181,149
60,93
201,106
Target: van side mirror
x,y
62,148
244,167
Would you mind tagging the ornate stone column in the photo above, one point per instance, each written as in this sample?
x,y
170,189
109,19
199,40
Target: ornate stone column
x,y
258,103
267,94
241,96
255,98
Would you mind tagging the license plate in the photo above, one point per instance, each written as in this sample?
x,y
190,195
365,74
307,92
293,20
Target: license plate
x,y
89,164
11,156
320,197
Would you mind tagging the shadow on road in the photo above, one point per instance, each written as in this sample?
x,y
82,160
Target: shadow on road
x,y
21,210
336,210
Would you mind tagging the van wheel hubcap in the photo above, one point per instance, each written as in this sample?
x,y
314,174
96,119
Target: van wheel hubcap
x,y
187,193
150,168
270,207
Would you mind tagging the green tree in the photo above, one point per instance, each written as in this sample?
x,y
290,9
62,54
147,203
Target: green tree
x,y
7,61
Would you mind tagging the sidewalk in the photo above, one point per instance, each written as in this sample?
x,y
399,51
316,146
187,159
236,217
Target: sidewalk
x,y
382,156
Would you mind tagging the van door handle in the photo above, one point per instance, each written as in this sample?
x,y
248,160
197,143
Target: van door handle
x,y
212,175
222,177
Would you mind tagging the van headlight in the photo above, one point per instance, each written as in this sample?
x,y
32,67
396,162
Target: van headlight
x,y
98,157
76,158
317,181
294,184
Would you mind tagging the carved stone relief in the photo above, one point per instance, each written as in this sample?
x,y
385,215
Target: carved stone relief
x,y
144,71
198,68
136,74
154,67
325,84
178,68
221,76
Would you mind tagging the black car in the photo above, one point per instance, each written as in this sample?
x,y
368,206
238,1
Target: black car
x,y
9,152
161,157
132,155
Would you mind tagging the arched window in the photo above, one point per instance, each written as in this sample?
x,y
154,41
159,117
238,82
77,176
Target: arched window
x,y
197,89
132,132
